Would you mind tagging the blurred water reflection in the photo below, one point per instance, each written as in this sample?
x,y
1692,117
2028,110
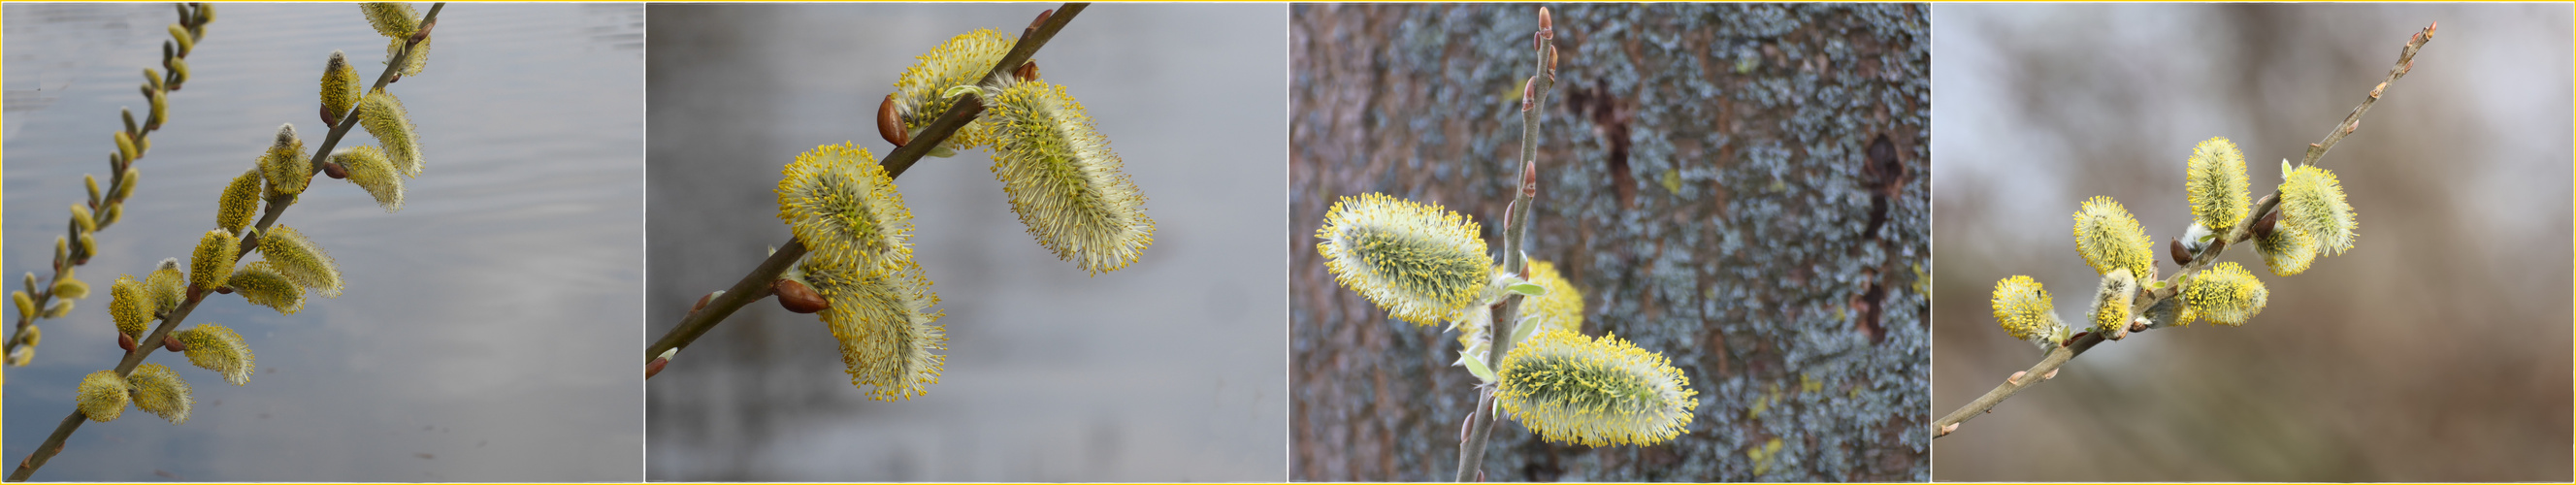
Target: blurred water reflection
x,y
2436,350
1170,369
487,329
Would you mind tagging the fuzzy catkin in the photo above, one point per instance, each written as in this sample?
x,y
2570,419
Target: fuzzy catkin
x,y
1067,187
1421,263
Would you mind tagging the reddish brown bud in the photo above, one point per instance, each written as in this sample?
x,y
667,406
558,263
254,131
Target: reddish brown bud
x,y
702,302
1041,20
2181,256
1026,72
224,290
655,367
889,125
125,341
330,118
2263,227
1529,93
1529,179
797,298
335,170
173,344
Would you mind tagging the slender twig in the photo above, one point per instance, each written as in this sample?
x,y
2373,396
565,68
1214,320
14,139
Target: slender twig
x,y
276,206
2155,302
1516,224
756,285
141,133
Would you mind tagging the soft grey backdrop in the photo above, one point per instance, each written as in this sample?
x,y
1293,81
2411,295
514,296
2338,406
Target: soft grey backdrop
x,y
2436,350
487,329
1170,369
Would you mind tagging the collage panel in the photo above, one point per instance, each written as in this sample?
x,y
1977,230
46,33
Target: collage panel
x,y
1007,336
455,309
1726,242
2404,318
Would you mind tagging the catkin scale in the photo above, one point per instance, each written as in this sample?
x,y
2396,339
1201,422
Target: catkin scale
x,y
240,202
1063,181
216,348
1575,389
1421,263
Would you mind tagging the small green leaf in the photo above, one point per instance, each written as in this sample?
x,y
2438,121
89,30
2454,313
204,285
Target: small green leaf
x,y
1477,366
1521,330
1528,289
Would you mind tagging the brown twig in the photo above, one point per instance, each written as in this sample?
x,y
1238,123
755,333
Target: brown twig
x,y
54,443
2157,302
1516,224
755,286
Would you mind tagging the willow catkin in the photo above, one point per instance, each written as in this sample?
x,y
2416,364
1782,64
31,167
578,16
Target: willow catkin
x,y
2312,201
383,116
2111,303
212,263
2025,311
260,283
284,165
299,259
216,348
843,206
1561,308
2226,293
167,286
102,396
2214,183
131,306
921,92
370,169
160,391
239,203
1419,262
340,88
2109,238
881,314
1067,187
1575,389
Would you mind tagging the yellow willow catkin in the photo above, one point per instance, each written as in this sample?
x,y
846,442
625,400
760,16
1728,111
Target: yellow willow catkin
x,y
881,314
371,170
24,355
240,202
1560,309
212,262
261,284
81,218
102,396
2112,301
1063,181
419,57
2312,201
160,391
2227,294
1419,262
383,116
340,87
964,60
391,19
71,288
2214,182
125,146
2288,251
216,348
2109,238
34,335
2024,309
167,286
1574,389
131,306
299,259
837,201
179,35
26,305
284,165
61,308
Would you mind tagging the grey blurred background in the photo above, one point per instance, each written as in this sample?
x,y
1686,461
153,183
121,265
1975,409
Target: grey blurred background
x,y
2436,350
488,330
1168,370
1707,181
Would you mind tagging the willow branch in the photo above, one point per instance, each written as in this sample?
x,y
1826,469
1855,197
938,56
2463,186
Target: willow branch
x,y
756,285
1516,224
144,348
2159,303
141,133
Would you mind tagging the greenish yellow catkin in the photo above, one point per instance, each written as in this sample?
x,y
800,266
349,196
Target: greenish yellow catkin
x,y
81,218
212,263
22,356
26,305
131,305
2109,238
179,33
384,118
371,170
28,281
88,245
261,284
844,207
125,145
167,286
1560,309
920,93
160,107
33,336
61,308
391,19
62,250
340,88
2312,201
102,396
301,260
160,391
1421,263
416,62
216,348
178,71
2227,294
92,183
114,211
284,165
71,288
2024,309
2111,304
2288,251
1065,184
881,315
1574,389
240,202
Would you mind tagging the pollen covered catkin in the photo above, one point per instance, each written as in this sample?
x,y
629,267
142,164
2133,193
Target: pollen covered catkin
x,y
2214,183
300,260
1067,187
240,202
370,169
2110,239
920,93
216,348
843,206
383,116
881,315
102,396
160,391
1575,389
1421,263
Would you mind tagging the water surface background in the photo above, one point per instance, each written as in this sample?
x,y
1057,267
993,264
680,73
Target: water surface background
x,y
487,329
